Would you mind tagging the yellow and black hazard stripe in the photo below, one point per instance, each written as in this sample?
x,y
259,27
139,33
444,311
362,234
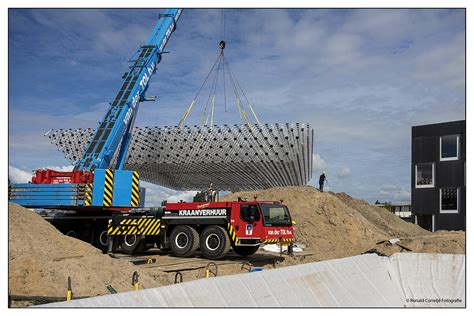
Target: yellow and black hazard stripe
x,y
88,199
232,235
136,226
135,190
108,187
276,241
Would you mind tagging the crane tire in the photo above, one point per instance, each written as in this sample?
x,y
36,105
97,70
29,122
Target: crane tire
x,y
184,241
71,233
141,245
245,251
215,242
131,243
100,239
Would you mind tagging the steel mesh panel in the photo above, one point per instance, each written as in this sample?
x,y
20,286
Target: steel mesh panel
x,y
232,157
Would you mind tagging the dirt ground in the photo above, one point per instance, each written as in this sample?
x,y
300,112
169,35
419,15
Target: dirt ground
x,y
330,225
41,259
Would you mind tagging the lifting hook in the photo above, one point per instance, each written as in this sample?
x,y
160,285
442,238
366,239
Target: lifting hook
x,y
222,45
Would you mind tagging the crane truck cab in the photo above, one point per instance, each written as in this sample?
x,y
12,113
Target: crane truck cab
x,y
213,227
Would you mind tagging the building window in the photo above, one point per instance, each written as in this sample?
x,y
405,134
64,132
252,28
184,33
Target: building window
x,y
424,175
449,147
449,200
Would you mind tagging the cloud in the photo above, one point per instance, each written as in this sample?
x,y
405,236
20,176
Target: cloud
x,y
319,164
342,50
155,194
395,194
61,168
186,196
361,78
344,172
16,175
443,63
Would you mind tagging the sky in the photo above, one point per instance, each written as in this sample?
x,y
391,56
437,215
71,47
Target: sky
x,y
361,77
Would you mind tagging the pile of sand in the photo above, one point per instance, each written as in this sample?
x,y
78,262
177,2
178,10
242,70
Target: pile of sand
x,y
389,223
41,258
335,225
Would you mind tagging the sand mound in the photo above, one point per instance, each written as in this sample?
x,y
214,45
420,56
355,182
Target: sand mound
x,y
41,258
336,225
381,217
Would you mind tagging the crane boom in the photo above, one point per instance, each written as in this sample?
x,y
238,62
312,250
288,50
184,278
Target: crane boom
x,y
115,128
94,184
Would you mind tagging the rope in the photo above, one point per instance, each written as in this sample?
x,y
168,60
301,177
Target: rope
x,y
221,61
212,91
223,24
254,115
243,93
247,120
236,92
225,95
183,119
238,107
212,111
185,116
223,66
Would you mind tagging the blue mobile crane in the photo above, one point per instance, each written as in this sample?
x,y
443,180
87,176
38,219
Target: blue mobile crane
x,y
101,203
98,185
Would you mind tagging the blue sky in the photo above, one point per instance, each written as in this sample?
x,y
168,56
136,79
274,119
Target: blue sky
x,y
361,78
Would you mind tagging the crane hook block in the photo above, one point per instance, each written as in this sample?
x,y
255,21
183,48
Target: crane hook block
x,y
221,44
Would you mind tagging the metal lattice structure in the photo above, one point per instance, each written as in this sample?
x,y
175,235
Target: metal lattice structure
x,y
232,158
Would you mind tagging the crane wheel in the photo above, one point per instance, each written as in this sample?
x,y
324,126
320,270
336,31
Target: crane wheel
x,y
184,241
245,251
131,244
71,233
215,242
100,239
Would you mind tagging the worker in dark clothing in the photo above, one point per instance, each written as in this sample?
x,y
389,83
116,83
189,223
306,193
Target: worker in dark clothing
x,y
322,178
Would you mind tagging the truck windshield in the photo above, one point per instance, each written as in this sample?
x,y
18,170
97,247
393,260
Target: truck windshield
x,y
275,215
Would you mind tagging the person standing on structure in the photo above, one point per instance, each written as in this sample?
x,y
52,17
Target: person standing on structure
x,y
211,194
322,179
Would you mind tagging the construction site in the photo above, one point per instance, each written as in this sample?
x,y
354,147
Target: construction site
x,y
256,234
